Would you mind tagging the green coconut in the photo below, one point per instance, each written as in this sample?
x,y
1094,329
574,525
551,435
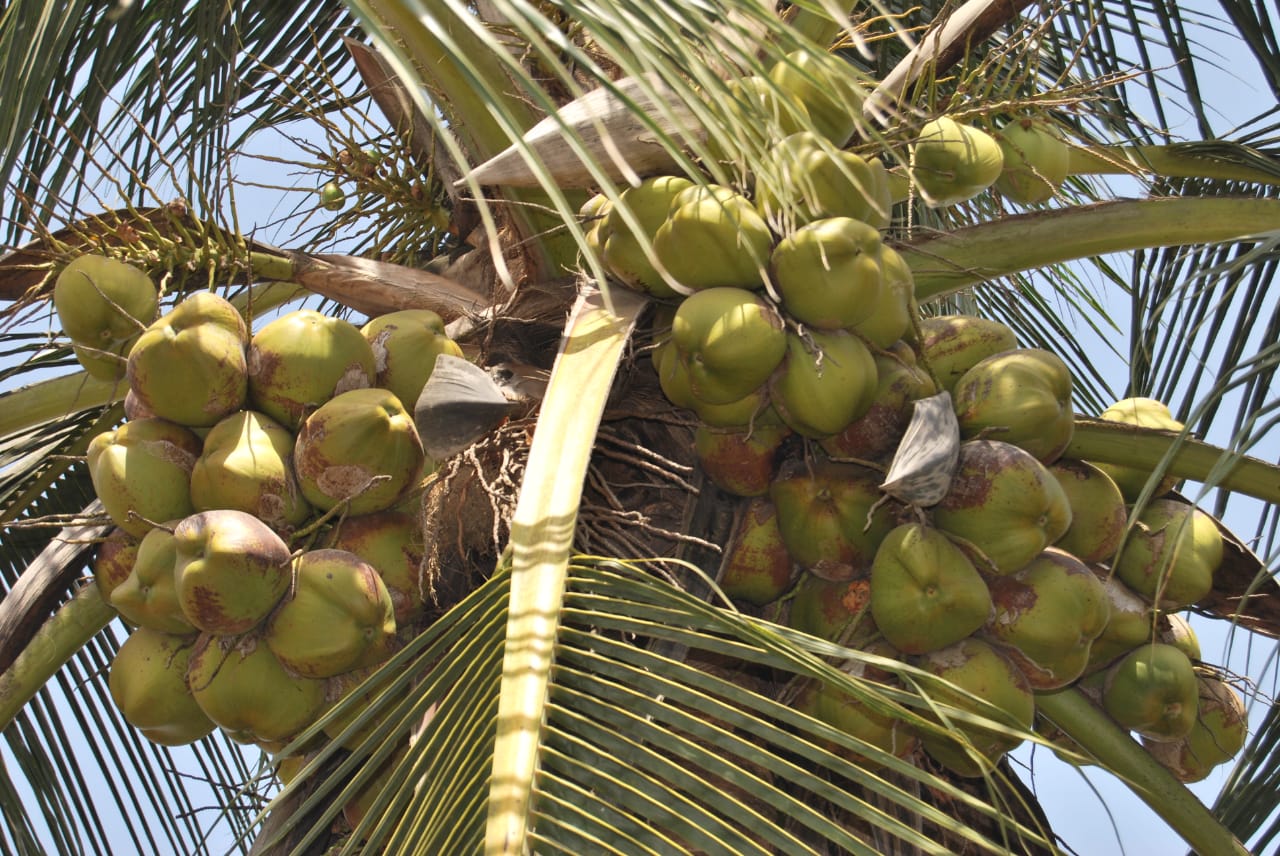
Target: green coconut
x,y
148,683
988,680
714,240
1218,735
141,472
1098,513
1022,397
1004,503
951,162
393,543
829,273
857,717
950,345
230,570
1145,413
875,435
811,181
304,358
338,617
890,321
1046,617
1171,554
1036,161
757,568
242,687
828,87
672,369
925,593
103,305
731,340
405,346
827,381
835,610
1174,629
1153,690
113,561
623,246
189,366
360,448
374,702
148,596
1130,623
763,111
247,464
825,517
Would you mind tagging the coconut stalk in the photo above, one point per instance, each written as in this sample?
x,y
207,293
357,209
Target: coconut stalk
x,y
1221,161
1171,453
1096,733
58,640
542,529
946,263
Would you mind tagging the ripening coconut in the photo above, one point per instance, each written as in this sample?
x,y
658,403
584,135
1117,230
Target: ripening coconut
x,y
301,360
189,366
141,472
338,617
148,683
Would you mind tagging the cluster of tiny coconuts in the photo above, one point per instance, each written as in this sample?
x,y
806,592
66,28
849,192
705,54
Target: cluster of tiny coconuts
x,y
266,548
795,339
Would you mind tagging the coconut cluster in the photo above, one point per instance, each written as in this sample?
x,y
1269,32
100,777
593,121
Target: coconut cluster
x,y
986,559
266,553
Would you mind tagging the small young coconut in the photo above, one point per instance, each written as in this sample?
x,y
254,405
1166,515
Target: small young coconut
x,y
103,305
1036,161
1004,503
230,569
141,472
242,687
247,464
952,162
405,345
733,339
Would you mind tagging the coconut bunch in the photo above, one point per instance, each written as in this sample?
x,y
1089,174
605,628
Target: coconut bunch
x,y
267,553
965,546
1008,571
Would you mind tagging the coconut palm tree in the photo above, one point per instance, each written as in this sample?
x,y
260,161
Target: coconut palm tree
x,y
581,683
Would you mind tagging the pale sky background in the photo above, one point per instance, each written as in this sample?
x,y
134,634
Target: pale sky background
x,y
1075,810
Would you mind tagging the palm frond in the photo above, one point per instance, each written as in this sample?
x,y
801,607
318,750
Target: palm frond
x,y
640,752
158,78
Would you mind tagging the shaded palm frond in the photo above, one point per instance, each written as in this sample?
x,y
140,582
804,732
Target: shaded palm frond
x,y
641,752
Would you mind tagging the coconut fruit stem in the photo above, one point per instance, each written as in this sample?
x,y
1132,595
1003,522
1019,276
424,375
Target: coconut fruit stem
x,y
1167,452
57,641
951,261
1180,160
1097,734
